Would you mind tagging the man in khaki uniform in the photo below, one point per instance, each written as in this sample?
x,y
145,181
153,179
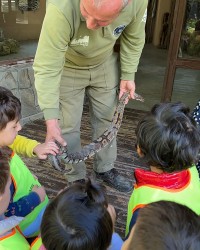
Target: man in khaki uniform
x,y
75,57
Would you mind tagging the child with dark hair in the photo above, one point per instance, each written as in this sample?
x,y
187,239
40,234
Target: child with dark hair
x,y
196,115
165,225
28,197
10,236
79,218
168,140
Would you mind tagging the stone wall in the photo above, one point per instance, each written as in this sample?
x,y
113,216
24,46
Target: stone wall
x,y
19,78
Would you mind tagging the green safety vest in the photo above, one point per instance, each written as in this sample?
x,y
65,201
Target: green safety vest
x,y
24,181
188,195
14,240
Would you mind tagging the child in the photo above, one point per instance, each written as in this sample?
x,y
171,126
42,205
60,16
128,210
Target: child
x,y
168,139
196,115
165,225
9,237
28,198
79,218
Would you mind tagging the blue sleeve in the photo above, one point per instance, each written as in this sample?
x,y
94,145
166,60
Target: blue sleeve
x,y
133,221
116,242
24,205
35,225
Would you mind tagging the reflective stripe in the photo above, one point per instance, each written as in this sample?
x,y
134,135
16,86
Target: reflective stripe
x,y
15,238
37,243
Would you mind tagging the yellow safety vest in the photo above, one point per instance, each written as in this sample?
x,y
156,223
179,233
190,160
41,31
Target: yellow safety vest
x,y
189,195
24,181
13,241
37,243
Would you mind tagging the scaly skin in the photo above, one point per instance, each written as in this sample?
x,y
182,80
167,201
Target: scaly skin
x,y
95,146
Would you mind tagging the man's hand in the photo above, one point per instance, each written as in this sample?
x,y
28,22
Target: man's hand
x,y
54,132
43,149
127,86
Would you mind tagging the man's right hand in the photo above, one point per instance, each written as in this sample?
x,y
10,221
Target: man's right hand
x,y
54,132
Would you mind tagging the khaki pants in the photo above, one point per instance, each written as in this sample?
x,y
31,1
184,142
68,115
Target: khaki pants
x,y
101,86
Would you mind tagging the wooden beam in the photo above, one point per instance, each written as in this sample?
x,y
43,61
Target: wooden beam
x,y
179,14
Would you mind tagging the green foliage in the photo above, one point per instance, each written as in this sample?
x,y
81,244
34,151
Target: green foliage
x,y
8,46
191,23
191,38
193,48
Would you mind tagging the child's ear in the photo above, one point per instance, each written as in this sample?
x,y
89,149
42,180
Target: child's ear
x,y
139,151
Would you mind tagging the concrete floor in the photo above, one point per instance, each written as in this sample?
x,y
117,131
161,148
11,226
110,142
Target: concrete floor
x,y
187,87
149,78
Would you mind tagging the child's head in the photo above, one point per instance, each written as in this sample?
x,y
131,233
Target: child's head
x,y
168,137
5,179
10,114
78,219
164,225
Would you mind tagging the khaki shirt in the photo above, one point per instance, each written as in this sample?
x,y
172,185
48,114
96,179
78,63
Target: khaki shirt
x,y
66,41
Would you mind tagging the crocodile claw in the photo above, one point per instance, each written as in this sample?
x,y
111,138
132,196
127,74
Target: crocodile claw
x,y
56,162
